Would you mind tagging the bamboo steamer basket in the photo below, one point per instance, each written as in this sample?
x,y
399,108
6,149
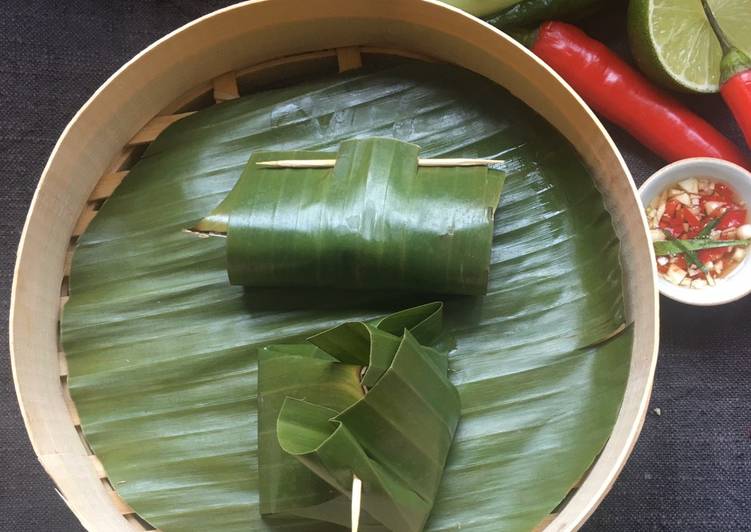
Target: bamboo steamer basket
x,y
218,58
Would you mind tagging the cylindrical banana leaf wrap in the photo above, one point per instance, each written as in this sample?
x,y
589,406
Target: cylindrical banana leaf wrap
x,y
376,220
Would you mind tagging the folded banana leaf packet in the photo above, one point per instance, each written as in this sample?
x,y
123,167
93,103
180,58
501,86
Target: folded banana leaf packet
x,y
376,220
365,399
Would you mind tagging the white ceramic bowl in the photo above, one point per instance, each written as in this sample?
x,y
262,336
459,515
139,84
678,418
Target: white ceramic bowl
x,y
738,283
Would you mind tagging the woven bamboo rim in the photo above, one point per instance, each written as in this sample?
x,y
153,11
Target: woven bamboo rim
x,y
70,467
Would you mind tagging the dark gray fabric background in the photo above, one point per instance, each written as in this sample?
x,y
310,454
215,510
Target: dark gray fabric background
x,y
691,469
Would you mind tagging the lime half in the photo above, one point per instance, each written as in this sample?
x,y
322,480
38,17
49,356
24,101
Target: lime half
x,y
674,45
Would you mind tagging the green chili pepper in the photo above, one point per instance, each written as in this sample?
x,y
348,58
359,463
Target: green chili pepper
x,y
529,12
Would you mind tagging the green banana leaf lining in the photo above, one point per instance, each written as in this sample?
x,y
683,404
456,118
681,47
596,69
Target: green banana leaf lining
x,y
162,351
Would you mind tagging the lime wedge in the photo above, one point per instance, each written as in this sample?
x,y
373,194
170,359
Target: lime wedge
x,y
674,45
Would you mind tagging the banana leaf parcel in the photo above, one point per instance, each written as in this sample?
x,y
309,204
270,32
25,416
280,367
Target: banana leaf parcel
x,y
163,353
319,425
367,223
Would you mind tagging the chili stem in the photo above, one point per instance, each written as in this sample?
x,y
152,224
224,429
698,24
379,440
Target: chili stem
x,y
721,36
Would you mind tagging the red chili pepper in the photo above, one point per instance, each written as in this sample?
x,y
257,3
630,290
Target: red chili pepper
x,y
673,225
736,92
671,206
735,77
712,254
714,197
690,218
677,227
723,192
622,95
734,218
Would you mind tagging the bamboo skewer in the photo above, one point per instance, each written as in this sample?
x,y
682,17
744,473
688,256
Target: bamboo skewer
x,y
356,498
329,163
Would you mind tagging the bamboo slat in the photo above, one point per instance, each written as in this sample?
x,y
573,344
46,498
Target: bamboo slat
x,y
154,128
107,185
68,261
84,220
225,87
81,437
383,50
290,66
124,159
119,503
62,363
137,523
64,288
72,410
349,58
98,467
193,99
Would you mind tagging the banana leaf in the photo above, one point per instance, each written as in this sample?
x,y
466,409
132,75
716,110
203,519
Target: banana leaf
x,y
318,427
162,352
365,224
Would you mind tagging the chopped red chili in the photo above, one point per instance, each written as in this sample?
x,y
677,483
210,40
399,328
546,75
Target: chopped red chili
x,y
733,218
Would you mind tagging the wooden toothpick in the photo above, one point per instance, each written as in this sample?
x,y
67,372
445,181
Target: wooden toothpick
x,y
356,498
329,163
